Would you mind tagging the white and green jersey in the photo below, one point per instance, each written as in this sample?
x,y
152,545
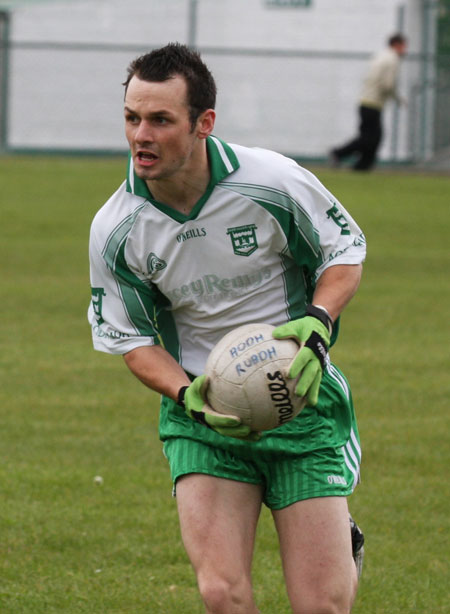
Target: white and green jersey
x,y
251,250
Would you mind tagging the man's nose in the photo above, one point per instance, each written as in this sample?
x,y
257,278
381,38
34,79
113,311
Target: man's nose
x,y
144,133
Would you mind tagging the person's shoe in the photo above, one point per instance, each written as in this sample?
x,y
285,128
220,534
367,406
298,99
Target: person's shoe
x,y
357,546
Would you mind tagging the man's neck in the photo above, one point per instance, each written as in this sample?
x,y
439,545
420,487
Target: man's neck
x,y
184,189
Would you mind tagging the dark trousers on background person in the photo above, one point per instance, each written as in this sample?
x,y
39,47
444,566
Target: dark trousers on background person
x,y
366,143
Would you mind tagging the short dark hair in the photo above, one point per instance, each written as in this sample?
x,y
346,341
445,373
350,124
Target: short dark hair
x,y
396,39
177,59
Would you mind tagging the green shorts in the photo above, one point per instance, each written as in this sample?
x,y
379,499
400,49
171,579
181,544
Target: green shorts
x,y
315,455
285,480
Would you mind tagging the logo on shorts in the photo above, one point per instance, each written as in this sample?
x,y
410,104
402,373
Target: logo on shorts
x,y
243,239
336,479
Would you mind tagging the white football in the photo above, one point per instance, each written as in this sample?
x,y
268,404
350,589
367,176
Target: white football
x,y
247,370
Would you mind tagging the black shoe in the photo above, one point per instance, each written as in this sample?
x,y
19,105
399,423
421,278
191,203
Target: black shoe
x,y
357,546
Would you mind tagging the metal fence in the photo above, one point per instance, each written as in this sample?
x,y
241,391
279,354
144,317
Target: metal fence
x,y
298,101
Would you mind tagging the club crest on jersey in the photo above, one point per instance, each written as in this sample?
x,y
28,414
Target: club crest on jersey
x,y
243,239
155,264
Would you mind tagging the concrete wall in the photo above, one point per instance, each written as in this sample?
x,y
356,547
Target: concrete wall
x,y
68,60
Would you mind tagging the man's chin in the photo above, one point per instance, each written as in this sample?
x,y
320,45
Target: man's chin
x,y
146,174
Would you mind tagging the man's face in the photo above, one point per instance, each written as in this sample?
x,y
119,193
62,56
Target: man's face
x,y
158,128
400,48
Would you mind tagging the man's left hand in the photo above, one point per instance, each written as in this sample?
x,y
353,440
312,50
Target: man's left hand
x,y
309,362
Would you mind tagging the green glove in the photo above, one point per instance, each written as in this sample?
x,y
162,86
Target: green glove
x,y
193,399
314,337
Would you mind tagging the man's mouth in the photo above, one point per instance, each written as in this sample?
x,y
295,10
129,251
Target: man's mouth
x,y
146,157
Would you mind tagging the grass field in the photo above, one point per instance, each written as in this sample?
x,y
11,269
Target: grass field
x,y
68,414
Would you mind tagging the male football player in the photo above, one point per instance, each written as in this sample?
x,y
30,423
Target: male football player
x,y
201,237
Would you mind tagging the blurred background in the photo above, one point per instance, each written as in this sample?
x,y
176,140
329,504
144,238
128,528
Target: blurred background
x,y
289,72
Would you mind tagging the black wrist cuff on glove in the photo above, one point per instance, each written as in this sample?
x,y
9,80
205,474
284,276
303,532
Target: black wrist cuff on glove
x,y
199,416
320,314
318,346
180,397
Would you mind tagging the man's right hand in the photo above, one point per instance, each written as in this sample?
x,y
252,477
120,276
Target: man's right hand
x,y
194,401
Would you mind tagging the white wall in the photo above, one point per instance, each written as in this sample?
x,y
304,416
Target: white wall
x,y
301,104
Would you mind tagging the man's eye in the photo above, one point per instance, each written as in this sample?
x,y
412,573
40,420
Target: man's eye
x,y
132,119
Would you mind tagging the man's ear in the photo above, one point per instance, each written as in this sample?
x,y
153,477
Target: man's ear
x,y
205,123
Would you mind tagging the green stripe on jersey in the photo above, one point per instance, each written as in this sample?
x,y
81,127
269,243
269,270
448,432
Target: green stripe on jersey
x,y
295,292
118,235
166,325
136,311
134,293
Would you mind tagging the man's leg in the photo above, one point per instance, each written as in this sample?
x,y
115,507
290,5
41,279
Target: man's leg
x,y
316,551
370,136
218,519
354,146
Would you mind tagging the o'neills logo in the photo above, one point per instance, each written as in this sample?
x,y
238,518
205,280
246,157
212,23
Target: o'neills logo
x,y
243,239
191,234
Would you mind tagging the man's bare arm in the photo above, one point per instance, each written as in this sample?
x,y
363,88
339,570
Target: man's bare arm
x,y
336,286
156,368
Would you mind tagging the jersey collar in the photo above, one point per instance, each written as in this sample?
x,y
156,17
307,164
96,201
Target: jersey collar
x,y
222,162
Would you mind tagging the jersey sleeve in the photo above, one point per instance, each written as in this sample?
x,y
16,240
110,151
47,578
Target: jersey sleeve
x,y
335,237
121,311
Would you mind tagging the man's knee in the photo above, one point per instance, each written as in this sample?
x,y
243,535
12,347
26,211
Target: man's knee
x,y
326,602
323,606
223,595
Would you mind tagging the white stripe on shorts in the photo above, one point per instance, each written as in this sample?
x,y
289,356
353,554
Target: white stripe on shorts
x,y
351,459
334,373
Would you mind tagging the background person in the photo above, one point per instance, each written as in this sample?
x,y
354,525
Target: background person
x,y
165,264
380,85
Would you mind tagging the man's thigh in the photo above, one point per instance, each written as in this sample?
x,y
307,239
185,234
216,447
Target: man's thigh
x,y
218,519
315,545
